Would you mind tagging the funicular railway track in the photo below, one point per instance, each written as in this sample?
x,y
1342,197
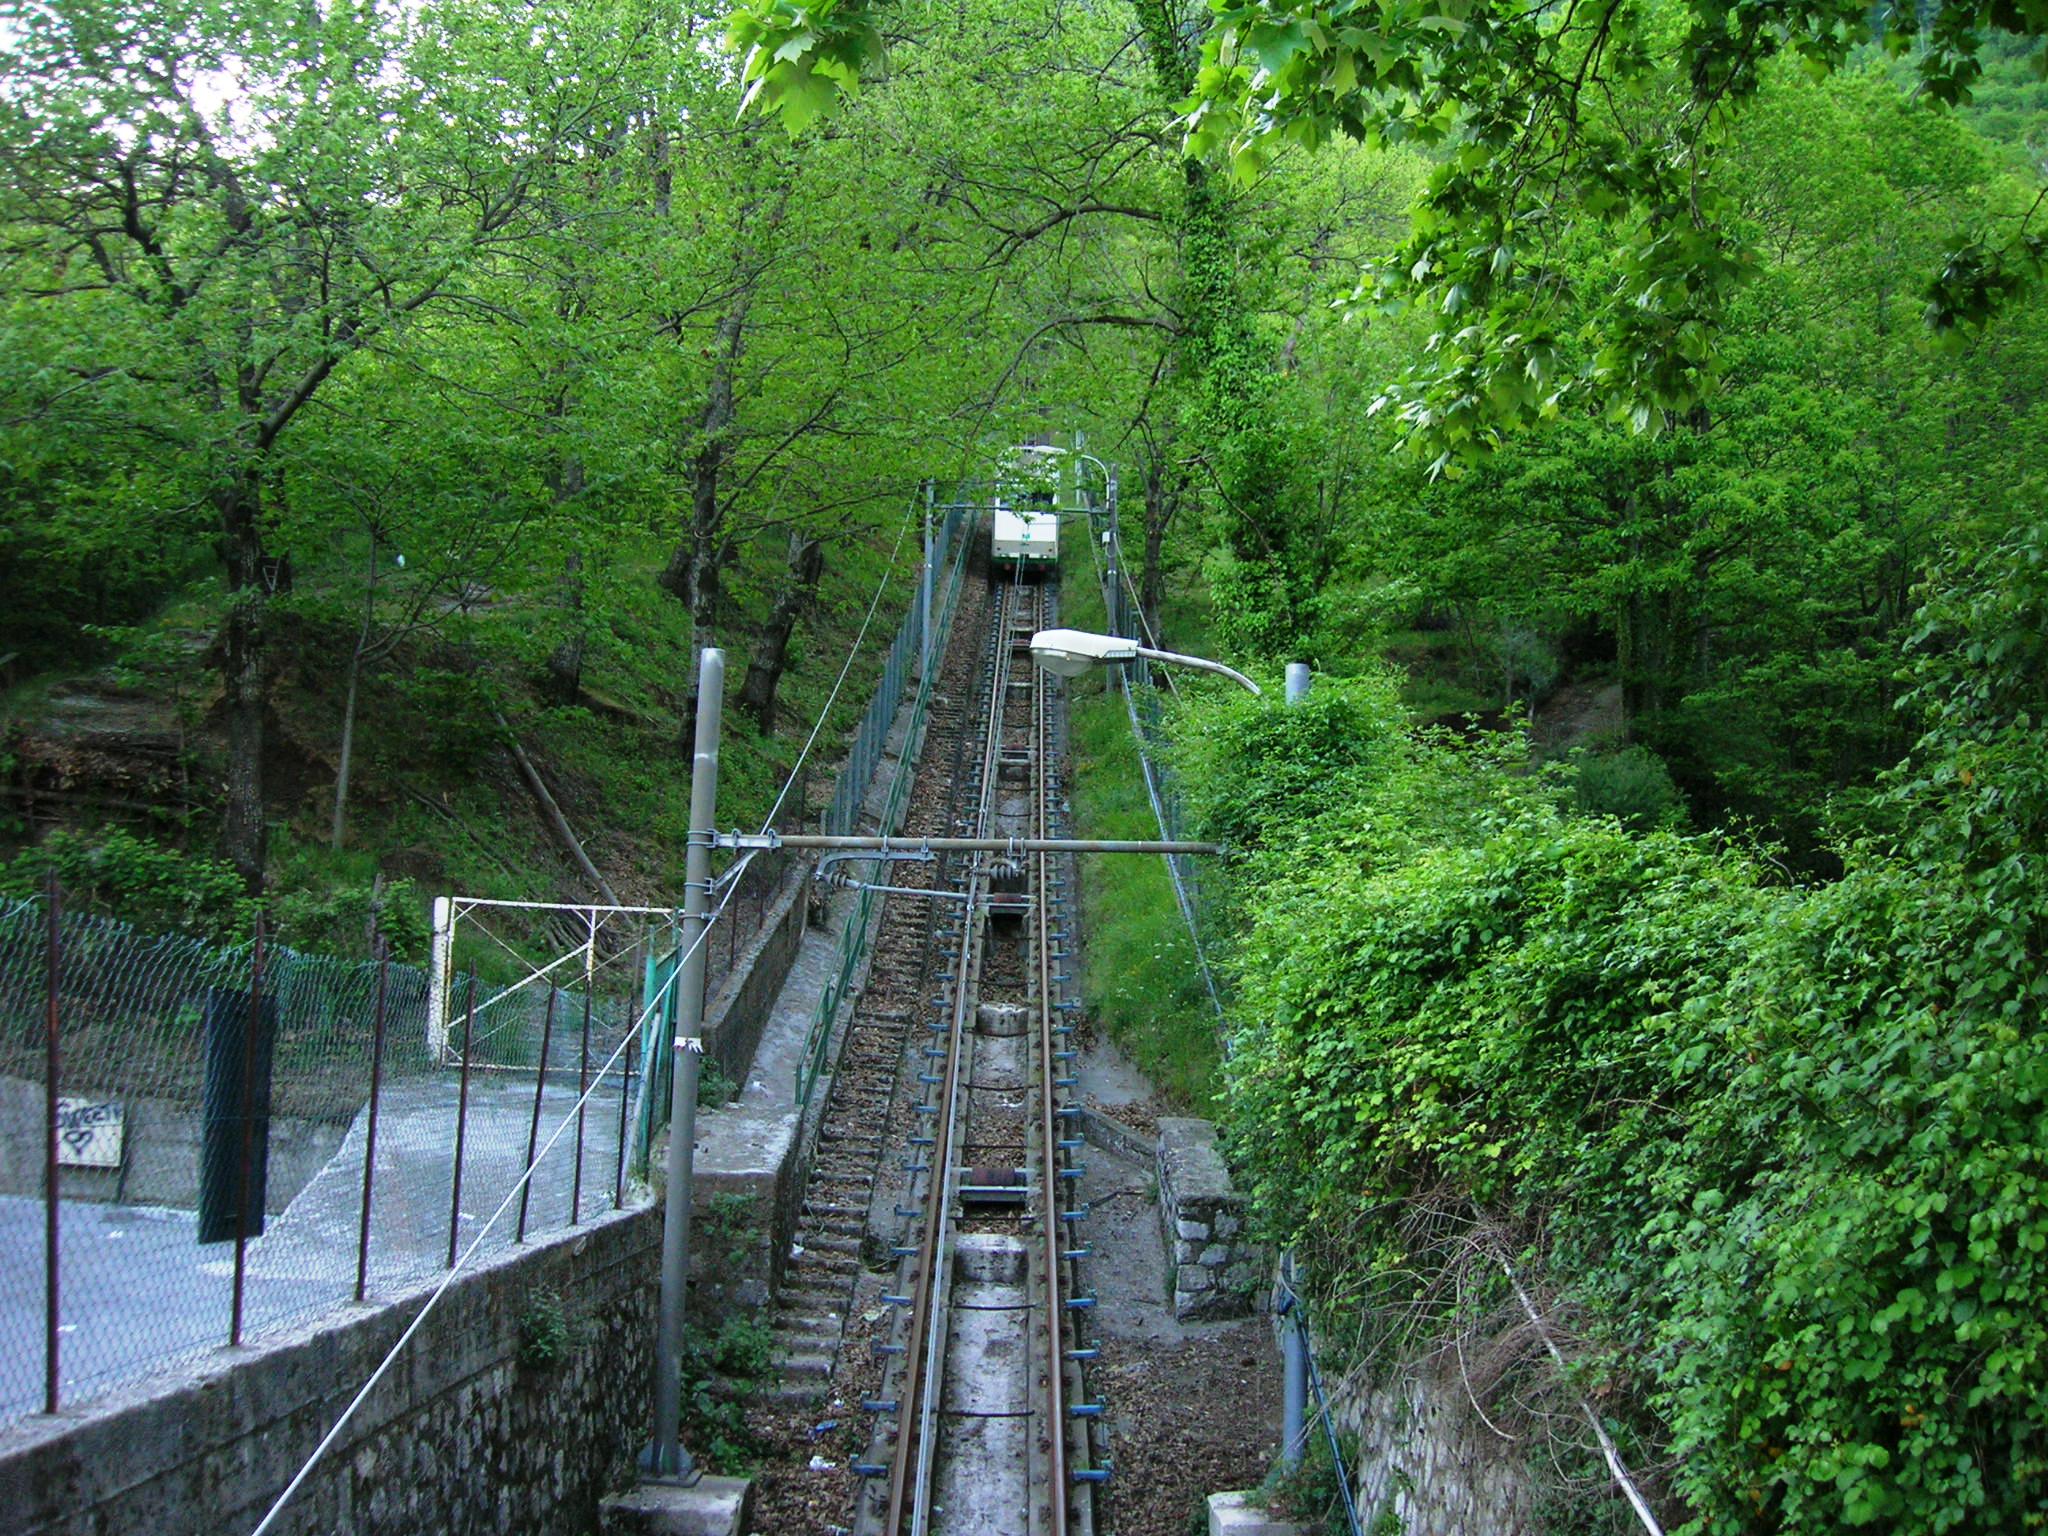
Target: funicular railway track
x,y
981,1420
947,1138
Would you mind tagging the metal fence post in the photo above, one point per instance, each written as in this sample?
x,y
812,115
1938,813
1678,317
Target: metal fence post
x,y
250,1026
461,1119
625,1100
540,1083
55,960
582,1088
370,1130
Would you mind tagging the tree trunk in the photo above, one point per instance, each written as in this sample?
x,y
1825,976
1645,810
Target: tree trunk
x,y
565,664
764,667
348,741
692,570
247,689
348,707
551,811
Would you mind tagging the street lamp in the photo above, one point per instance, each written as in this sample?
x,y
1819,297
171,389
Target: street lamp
x,y
1070,652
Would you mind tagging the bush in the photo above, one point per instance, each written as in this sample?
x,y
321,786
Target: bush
x,y
341,920
1784,1146
158,889
1632,785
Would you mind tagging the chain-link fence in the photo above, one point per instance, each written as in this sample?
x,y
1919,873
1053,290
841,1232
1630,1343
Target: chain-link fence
x,y
947,568
1194,889
203,1145
209,1182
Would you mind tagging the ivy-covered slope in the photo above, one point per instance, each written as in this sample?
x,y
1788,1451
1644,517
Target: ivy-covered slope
x,y
1781,1147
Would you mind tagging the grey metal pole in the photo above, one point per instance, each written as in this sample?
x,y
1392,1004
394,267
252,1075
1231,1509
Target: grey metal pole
x,y
1294,1353
1294,1400
666,1457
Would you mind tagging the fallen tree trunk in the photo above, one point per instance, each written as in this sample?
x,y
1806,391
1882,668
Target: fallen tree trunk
x,y
552,813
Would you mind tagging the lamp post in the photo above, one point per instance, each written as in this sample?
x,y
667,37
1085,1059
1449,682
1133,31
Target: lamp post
x,y
1070,652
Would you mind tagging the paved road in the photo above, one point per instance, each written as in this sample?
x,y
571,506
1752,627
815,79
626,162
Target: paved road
x,y
140,1294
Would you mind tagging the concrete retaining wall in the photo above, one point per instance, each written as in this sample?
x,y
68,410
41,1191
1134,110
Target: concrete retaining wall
x,y
462,1437
736,1017
1218,1271
160,1153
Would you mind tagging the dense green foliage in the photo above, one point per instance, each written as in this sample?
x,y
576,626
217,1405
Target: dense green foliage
x,y
1649,894
1786,1142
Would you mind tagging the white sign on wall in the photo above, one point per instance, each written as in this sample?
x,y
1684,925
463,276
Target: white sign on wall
x,y
89,1133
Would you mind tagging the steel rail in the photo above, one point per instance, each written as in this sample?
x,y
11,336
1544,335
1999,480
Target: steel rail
x,y
1049,1159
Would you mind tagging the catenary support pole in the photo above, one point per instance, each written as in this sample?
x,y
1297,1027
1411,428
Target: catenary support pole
x,y
51,1290
924,599
1294,1401
666,1457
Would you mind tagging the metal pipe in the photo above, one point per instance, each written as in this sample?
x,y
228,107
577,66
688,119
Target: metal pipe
x,y
1200,664
759,840
540,1083
461,1118
370,1131
1294,1351
51,1293
666,1457
249,1027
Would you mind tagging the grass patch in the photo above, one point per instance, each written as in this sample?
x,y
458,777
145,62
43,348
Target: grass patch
x,y
1140,978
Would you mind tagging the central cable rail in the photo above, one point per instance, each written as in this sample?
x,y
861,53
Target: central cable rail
x,y
982,1413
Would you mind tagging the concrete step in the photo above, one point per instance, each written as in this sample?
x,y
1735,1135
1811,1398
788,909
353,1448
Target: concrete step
x,y
790,1325
804,1378
832,1226
814,1298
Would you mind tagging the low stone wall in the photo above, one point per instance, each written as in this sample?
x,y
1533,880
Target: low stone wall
x,y
1218,1271
1427,1466
160,1152
469,1433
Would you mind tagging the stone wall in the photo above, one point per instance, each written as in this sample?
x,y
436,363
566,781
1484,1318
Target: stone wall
x,y
1217,1270
1427,1465
469,1433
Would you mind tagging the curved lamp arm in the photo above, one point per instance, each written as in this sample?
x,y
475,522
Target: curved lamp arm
x,y
1200,664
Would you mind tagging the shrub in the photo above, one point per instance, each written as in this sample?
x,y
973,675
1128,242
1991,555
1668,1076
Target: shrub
x,y
1632,785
